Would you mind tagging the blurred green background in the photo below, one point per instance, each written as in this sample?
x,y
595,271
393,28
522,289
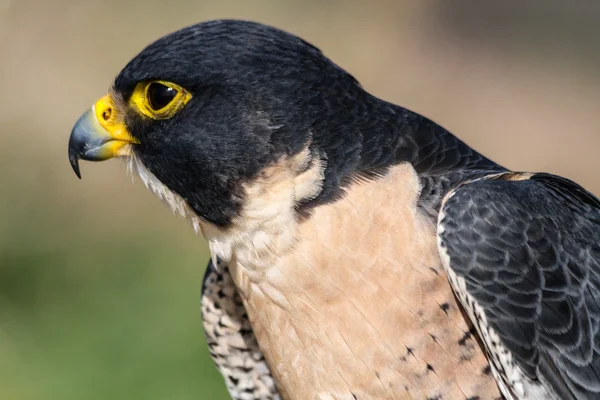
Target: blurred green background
x,y
100,284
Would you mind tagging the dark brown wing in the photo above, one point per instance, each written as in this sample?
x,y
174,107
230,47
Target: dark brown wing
x,y
525,249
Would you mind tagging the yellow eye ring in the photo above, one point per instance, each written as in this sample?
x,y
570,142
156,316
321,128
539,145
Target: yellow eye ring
x,y
159,99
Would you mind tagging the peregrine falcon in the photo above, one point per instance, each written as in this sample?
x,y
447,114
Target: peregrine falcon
x,y
359,249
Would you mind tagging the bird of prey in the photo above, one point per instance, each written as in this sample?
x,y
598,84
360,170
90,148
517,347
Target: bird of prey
x,y
359,249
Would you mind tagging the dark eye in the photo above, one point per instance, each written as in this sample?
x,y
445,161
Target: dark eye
x,y
160,95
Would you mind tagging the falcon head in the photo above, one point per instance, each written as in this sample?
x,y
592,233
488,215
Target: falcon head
x,y
232,123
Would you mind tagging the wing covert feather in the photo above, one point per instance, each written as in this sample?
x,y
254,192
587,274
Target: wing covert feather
x,y
528,250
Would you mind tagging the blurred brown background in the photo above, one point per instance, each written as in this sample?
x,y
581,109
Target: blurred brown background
x,y
100,284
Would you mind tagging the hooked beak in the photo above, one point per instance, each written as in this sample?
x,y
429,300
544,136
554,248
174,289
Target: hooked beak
x,y
99,134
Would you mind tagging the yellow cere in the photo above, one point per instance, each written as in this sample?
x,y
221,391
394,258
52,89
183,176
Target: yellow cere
x,y
140,100
106,114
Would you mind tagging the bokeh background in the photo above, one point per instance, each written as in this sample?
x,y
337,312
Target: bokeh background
x,y
100,284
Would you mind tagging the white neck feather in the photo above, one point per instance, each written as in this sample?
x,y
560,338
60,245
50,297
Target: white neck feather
x,y
266,226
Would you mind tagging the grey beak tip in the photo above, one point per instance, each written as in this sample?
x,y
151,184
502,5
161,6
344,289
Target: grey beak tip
x,y
75,166
78,141
74,154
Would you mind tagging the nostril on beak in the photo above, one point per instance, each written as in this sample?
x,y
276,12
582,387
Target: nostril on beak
x,y
106,114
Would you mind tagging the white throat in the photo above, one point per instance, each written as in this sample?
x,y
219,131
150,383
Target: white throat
x,y
266,225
